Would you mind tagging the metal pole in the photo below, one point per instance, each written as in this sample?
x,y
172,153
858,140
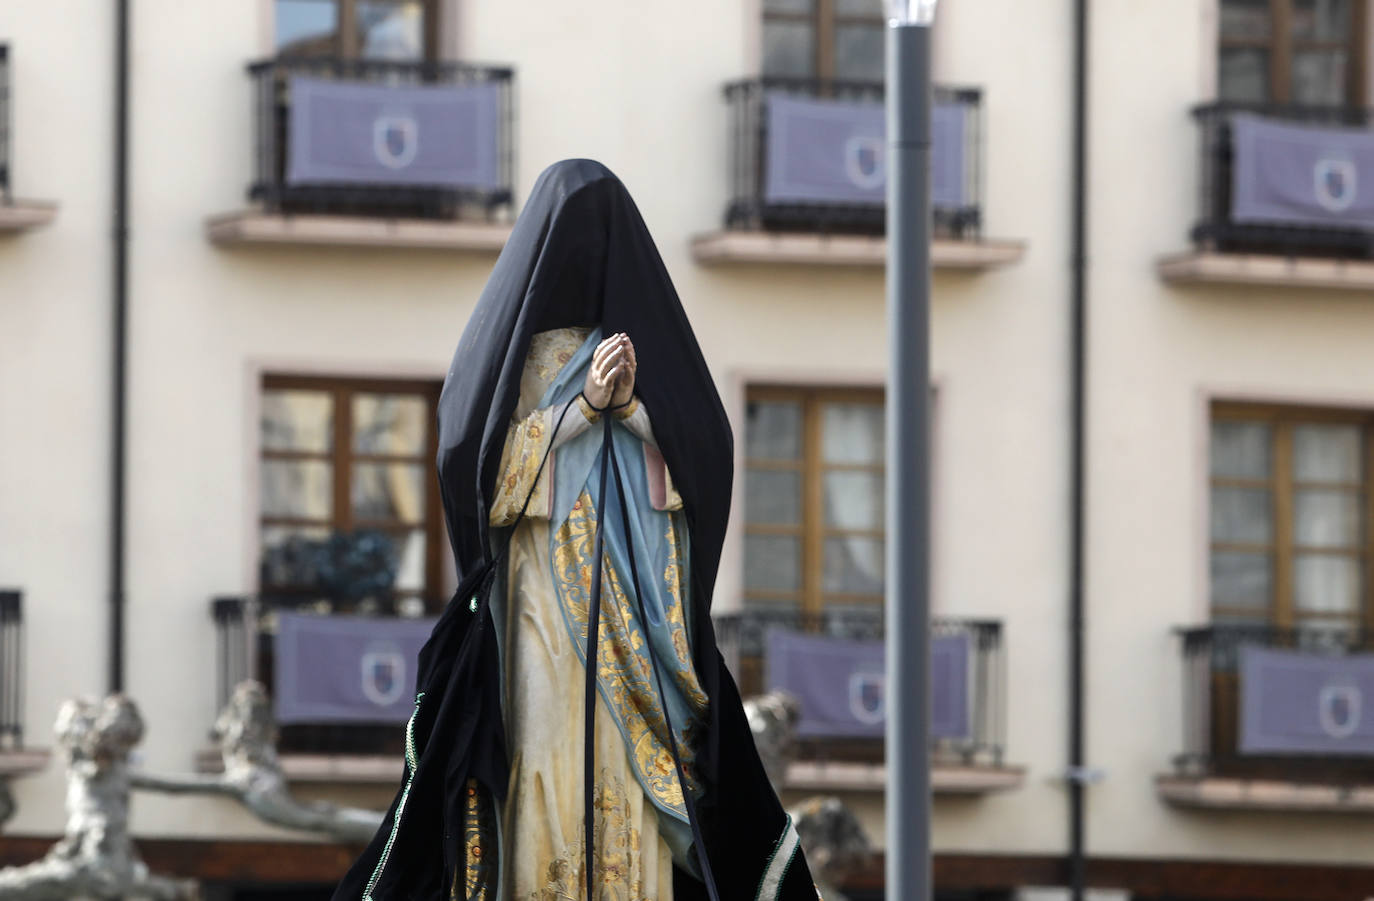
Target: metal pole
x,y
908,527
1078,772
119,340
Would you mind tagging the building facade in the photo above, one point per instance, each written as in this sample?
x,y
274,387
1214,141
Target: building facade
x,y
288,332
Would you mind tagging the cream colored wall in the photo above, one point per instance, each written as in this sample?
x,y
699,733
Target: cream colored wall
x,y
1158,353
55,367
638,87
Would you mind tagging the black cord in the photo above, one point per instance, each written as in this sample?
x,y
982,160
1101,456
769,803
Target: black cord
x,y
606,409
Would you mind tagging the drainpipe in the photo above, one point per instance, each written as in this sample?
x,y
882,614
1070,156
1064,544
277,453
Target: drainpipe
x,y
1078,775
120,344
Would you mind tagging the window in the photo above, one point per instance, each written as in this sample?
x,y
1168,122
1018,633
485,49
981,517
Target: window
x,y
1290,516
349,457
814,500
402,30
840,39
1310,52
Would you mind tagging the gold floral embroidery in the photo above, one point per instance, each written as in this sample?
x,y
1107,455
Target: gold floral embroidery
x,y
549,352
618,875
623,663
478,875
526,443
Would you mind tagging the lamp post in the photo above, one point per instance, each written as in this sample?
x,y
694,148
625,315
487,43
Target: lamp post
x,y
908,454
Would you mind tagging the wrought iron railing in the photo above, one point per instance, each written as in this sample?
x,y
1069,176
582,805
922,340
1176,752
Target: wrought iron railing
x,y
1216,229
4,123
742,638
11,670
1212,702
272,137
246,632
749,206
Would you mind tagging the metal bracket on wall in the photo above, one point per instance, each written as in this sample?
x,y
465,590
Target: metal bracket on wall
x,y
1084,775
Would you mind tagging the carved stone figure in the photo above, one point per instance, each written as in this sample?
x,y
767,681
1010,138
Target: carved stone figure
x,y
252,774
96,858
773,720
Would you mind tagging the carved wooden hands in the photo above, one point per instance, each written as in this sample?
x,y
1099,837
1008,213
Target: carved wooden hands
x,y
611,378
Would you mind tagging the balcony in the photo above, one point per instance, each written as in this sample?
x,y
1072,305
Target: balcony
x,y
844,751
15,215
1272,720
15,758
1280,198
257,639
368,153
807,177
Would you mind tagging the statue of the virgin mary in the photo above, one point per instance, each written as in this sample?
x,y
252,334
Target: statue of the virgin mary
x,y
585,462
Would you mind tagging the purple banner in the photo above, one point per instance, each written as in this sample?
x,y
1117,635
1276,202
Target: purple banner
x,y
835,151
841,684
344,132
1301,703
1287,173
346,669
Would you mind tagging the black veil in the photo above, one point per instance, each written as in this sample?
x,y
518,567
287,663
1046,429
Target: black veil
x,y
580,254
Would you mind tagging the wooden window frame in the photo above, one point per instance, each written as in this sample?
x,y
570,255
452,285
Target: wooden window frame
x,y
1282,419
346,46
824,21
811,598
342,457
1281,46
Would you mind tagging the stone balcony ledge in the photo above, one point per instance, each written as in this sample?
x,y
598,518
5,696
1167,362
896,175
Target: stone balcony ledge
x,y
945,778
23,215
1208,267
14,764
260,228
796,248
1225,793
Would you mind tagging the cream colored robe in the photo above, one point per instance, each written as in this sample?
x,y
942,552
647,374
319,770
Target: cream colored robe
x,y
541,826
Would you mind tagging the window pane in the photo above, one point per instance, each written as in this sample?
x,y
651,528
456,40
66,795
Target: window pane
x,y
1327,518
872,8
853,500
297,421
772,496
1326,584
1241,450
789,6
394,30
301,489
389,491
773,431
1321,20
1243,75
410,554
789,49
290,556
1242,580
1327,453
1245,19
1242,515
772,562
307,27
390,424
1319,77
859,52
852,433
853,565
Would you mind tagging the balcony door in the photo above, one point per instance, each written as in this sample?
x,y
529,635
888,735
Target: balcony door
x,y
1292,539
349,457
814,520
1299,52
